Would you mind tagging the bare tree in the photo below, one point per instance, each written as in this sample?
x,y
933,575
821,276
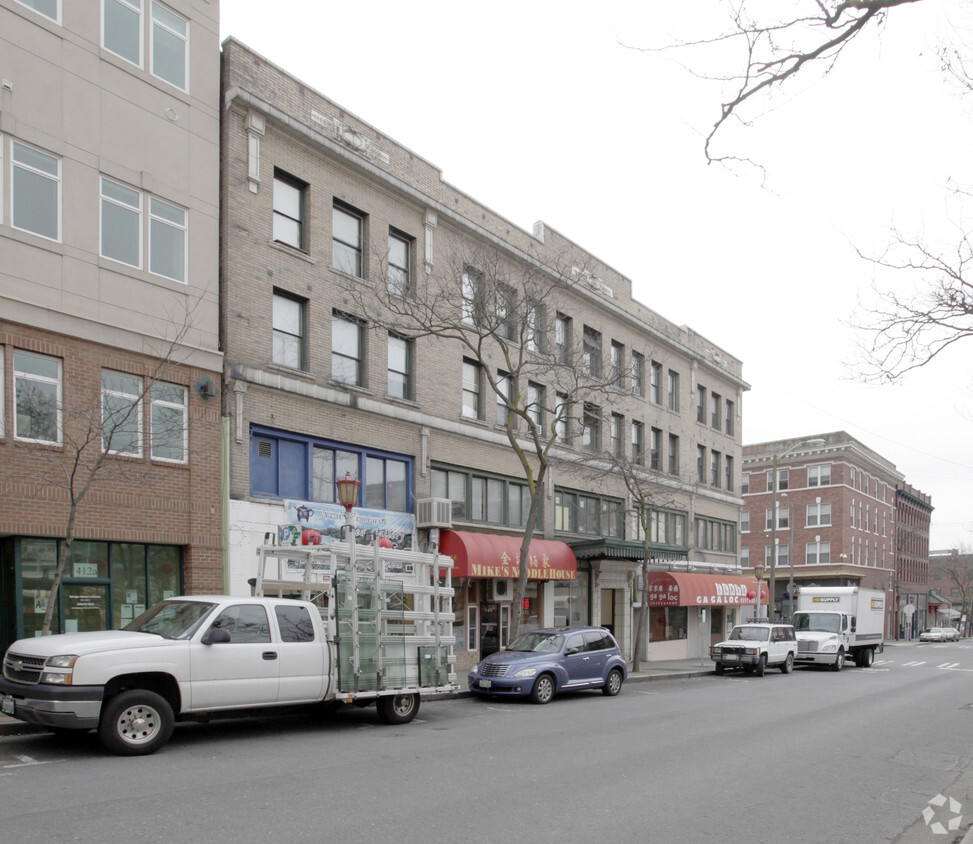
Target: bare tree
x,y
499,312
94,437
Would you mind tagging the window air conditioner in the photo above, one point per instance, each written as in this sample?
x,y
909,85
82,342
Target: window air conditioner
x,y
434,513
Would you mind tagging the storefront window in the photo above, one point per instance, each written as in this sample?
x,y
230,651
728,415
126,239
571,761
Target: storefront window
x,y
87,559
667,624
163,573
128,582
38,560
571,601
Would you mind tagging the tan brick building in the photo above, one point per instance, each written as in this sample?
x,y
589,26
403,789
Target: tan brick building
x,y
317,204
109,116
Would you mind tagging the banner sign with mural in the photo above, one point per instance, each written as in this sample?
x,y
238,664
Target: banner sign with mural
x,y
311,523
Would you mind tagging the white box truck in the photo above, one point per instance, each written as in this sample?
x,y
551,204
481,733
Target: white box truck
x,y
354,624
837,623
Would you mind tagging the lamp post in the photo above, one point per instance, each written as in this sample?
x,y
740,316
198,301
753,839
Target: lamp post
x,y
758,571
791,585
772,580
348,488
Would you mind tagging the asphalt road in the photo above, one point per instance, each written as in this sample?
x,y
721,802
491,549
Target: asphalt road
x,y
807,758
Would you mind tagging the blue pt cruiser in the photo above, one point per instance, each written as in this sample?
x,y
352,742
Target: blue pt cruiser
x,y
543,663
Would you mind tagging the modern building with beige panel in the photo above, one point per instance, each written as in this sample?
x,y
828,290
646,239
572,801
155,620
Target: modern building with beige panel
x,y
109,196
319,206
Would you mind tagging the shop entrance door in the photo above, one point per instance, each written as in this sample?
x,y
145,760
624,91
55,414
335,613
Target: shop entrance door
x,y
84,606
610,600
717,624
489,628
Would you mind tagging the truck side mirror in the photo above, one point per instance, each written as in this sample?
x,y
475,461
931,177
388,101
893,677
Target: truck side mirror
x,y
216,636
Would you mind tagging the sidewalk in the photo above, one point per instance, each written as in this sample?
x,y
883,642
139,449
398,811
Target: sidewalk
x,y
675,669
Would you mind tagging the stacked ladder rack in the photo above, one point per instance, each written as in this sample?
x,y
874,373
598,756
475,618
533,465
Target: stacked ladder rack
x,y
388,612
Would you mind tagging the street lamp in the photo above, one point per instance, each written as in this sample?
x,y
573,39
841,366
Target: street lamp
x,y
772,581
348,488
791,586
758,571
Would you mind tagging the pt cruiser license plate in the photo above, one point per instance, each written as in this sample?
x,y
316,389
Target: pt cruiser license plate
x,y
7,705
486,684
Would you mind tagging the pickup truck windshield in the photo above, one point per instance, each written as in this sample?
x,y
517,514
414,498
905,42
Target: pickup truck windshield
x,y
750,634
172,619
825,622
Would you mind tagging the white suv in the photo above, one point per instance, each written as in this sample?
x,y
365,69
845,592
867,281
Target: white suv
x,y
755,646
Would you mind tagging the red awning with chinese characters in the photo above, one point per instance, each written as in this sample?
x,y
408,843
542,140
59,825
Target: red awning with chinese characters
x,y
491,555
678,589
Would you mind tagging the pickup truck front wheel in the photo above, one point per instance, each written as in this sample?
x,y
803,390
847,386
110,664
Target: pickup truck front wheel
x,y
136,723
397,709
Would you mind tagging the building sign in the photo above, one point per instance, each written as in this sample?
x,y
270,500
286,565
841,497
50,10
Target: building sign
x,y
672,589
328,522
539,567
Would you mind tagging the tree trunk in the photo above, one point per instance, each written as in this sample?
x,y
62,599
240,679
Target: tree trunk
x,y
62,559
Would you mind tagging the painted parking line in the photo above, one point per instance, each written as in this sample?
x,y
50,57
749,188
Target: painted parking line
x,y
913,664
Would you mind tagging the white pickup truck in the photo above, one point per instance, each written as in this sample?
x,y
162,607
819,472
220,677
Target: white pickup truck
x,y
375,633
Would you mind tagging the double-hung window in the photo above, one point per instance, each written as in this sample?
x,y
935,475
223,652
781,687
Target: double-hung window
x,y
290,210
655,382
617,423
347,240
400,264
122,34
37,398
121,223
638,374
673,390
504,393
535,403
701,404
399,367
35,201
655,449
591,428
347,350
638,443
288,331
48,8
170,431
591,352
561,414
121,230
673,454
472,390
819,514
121,413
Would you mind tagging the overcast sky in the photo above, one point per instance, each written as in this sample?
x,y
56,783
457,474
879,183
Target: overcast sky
x,y
540,111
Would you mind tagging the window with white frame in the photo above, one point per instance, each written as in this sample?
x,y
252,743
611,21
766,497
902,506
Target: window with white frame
x,y
819,475
48,8
347,350
122,29
638,374
168,231
504,392
745,483
290,210
783,555
37,398
561,412
673,454
471,284
617,424
35,186
673,390
170,46
121,223
122,34
638,443
745,557
783,518
819,514
347,240
819,552
472,389
169,421
399,367
400,263
288,331
655,449
121,413
591,428
783,480
535,403
616,357
744,521
655,382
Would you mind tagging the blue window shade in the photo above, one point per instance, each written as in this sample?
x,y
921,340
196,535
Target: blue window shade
x,y
292,469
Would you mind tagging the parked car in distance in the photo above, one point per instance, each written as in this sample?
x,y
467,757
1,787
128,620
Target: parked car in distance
x,y
755,647
543,663
939,634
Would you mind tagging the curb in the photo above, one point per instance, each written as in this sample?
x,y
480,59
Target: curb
x,y
12,727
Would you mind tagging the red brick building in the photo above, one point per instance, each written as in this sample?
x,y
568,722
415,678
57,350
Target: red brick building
x,y
835,521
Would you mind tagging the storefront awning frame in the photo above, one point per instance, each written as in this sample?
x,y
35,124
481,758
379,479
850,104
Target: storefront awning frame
x,y
492,555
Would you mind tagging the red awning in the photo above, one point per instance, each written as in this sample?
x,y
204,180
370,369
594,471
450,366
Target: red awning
x,y
677,589
491,555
